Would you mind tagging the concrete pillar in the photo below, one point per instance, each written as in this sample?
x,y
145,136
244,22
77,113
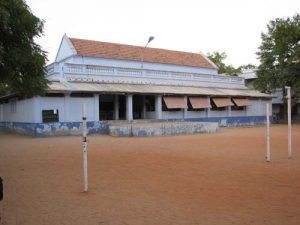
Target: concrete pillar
x,y
129,114
158,107
185,110
96,107
67,103
116,107
144,107
37,112
207,111
228,111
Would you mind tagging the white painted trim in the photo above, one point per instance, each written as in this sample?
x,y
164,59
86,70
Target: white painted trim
x,y
65,37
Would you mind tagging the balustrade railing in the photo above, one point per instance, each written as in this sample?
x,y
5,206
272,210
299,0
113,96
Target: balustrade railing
x,y
92,70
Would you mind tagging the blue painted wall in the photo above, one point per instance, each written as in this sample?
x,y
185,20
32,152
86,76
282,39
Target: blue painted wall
x,y
101,127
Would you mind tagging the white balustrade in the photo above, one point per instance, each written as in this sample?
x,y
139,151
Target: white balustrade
x,y
94,73
98,70
52,69
73,68
129,72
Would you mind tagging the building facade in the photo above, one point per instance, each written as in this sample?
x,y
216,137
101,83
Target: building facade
x,y
123,83
277,100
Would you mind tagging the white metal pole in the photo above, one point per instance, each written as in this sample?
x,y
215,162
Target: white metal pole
x,y
289,122
84,150
268,157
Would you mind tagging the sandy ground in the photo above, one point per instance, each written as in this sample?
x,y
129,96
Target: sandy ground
x,y
207,179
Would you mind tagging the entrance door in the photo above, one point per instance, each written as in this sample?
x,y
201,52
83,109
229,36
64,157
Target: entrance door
x,y
106,107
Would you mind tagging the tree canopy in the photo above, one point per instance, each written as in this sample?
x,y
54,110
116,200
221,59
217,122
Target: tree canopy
x,y
219,57
279,55
22,61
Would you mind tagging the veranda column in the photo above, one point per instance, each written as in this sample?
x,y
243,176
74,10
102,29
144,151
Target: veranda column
x,y
185,110
116,107
208,109
96,107
228,111
129,114
158,107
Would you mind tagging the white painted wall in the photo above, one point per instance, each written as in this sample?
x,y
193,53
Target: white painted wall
x,y
213,113
24,111
239,113
137,65
172,114
258,108
196,114
49,103
70,110
75,114
30,110
65,50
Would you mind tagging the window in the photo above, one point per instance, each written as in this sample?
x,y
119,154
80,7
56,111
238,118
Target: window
x,y
50,116
238,108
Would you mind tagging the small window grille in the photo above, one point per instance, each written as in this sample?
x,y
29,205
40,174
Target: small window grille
x,y
50,116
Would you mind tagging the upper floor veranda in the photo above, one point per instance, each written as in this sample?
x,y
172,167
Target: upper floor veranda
x,y
82,62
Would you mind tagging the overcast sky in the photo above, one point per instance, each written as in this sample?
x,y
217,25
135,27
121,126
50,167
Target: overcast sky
x,y
232,26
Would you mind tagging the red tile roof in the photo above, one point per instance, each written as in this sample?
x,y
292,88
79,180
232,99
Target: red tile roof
x,y
130,52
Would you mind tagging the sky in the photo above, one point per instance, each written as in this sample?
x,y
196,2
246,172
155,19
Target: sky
x,y
230,26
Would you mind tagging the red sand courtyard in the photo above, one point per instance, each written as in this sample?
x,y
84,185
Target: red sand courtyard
x,y
205,179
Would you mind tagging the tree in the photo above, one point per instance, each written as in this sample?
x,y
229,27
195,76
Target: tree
x,y
218,59
279,55
22,61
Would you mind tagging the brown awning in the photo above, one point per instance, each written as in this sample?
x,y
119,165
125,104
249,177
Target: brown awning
x,y
242,101
222,102
200,102
175,102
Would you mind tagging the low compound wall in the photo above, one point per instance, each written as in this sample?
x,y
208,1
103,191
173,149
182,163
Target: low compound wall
x,y
102,127
161,129
54,129
234,121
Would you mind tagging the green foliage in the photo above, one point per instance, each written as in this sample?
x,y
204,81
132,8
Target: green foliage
x,y
248,67
22,61
219,57
279,55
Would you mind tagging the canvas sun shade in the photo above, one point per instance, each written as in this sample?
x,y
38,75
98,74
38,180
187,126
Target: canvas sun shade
x,y
175,102
200,102
241,102
222,102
